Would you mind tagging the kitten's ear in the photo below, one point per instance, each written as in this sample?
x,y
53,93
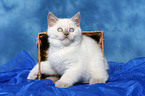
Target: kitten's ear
x,y
51,19
76,19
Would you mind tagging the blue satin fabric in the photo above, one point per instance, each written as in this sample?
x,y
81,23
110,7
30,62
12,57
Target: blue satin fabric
x,y
125,80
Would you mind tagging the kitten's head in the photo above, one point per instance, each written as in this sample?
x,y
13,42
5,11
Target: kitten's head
x,y
64,31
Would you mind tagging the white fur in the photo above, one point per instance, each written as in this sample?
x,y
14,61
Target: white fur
x,y
78,58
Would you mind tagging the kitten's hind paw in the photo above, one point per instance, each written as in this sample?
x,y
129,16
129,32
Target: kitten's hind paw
x,y
61,84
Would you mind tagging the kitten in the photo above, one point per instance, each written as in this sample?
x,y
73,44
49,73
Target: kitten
x,y
74,56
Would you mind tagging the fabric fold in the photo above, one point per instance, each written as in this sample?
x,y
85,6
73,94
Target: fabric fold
x,y
126,79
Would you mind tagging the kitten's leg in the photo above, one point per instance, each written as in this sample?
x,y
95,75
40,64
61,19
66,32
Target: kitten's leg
x,y
70,77
45,69
99,72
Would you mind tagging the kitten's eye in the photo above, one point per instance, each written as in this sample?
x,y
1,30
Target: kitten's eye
x,y
71,30
60,30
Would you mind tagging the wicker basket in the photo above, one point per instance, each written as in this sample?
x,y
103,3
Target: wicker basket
x,y
43,45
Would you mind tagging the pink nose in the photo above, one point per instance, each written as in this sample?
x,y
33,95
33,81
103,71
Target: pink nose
x,y
66,34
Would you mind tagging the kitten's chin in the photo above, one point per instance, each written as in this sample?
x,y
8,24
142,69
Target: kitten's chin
x,y
66,42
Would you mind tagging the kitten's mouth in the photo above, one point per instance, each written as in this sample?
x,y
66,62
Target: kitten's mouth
x,y
67,41
66,38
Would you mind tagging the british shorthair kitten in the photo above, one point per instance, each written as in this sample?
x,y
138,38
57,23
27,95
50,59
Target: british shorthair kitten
x,y
76,57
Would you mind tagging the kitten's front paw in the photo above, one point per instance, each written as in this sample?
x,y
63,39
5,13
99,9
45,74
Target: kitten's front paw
x,y
31,76
61,84
97,80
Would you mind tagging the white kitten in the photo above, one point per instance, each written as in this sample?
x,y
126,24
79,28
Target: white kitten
x,y
74,56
